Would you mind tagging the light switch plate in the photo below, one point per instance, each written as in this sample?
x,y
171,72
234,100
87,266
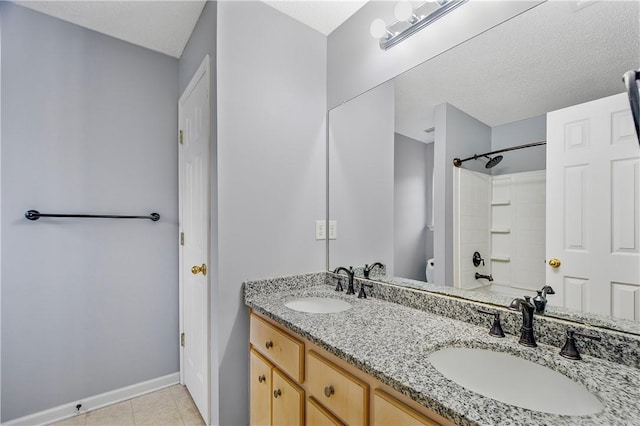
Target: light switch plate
x,y
321,231
333,229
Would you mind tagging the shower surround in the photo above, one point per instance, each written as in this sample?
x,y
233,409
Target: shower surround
x,y
503,218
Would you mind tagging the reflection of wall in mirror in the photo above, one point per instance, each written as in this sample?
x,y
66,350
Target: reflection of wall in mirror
x,y
412,238
457,134
361,134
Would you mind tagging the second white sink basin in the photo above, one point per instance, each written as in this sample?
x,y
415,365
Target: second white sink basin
x,y
318,305
515,381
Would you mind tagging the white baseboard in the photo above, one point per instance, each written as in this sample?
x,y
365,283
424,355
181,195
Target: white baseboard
x,y
91,403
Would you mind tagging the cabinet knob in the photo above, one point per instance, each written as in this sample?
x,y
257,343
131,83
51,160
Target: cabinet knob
x,y
269,344
262,378
328,391
554,263
277,393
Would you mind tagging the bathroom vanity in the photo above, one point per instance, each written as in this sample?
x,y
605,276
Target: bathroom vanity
x,y
291,377
370,364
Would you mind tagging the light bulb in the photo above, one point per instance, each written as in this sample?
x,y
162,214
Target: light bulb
x,y
378,28
403,10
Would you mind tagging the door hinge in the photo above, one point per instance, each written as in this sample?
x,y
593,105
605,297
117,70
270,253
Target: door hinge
x,y
182,238
181,137
182,339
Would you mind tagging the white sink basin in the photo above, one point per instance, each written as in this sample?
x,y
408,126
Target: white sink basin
x,y
318,305
515,381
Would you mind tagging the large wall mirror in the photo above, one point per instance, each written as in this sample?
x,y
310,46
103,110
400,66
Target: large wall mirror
x,y
398,199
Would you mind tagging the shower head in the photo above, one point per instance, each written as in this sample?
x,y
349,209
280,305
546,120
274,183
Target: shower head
x,y
493,161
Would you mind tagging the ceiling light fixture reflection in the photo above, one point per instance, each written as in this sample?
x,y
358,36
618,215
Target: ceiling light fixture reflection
x,y
410,20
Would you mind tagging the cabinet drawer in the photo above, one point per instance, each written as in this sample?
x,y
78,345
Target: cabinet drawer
x,y
342,393
283,350
287,407
388,411
317,415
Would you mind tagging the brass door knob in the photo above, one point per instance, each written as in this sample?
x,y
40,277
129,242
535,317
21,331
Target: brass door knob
x,y
269,344
277,393
328,391
197,269
262,378
554,263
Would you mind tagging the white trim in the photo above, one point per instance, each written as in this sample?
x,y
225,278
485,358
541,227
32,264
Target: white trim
x,y
204,70
91,403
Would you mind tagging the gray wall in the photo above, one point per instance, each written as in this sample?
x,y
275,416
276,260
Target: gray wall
x,y
430,201
520,132
271,170
361,179
356,63
201,43
411,206
457,134
89,125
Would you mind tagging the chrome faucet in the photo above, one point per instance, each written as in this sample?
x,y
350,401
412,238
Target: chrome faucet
x,y
541,299
368,269
527,308
350,274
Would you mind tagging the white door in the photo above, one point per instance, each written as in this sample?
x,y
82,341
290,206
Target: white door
x,y
593,208
194,118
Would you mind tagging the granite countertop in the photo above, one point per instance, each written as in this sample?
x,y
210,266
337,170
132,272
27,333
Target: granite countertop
x,y
391,342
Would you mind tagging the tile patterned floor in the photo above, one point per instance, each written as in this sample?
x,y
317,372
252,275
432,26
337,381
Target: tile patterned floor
x,y
170,406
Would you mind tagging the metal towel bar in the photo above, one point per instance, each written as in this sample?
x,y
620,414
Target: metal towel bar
x,y
35,215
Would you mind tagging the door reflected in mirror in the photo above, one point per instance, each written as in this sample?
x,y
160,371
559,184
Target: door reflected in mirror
x,y
400,200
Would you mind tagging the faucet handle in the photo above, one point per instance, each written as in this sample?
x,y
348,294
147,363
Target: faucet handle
x,y
588,336
570,350
361,293
496,328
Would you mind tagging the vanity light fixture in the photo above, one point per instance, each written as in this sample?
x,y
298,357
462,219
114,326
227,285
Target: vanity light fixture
x,y
410,20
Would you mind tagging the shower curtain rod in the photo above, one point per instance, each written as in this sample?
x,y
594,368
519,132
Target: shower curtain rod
x,y
458,162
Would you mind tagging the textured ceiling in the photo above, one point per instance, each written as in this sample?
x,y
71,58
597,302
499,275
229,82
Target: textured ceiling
x,y
163,26
550,57
321,15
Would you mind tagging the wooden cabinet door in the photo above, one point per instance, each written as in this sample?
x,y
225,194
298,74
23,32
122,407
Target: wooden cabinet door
x,y
388,411
317,415
260,390
287,402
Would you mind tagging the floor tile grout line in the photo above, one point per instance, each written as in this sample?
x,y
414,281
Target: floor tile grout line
x,y
173,397
133,412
